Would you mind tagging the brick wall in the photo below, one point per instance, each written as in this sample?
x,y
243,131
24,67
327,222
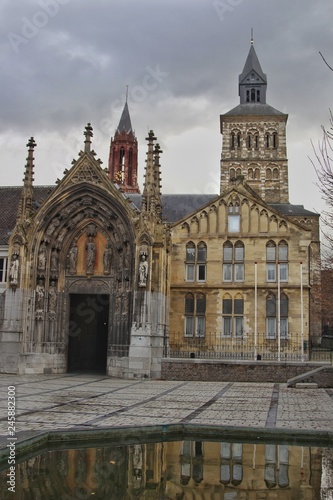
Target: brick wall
x,y
224,371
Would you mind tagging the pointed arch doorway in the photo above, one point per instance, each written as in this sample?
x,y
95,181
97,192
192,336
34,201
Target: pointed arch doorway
x,y
88,332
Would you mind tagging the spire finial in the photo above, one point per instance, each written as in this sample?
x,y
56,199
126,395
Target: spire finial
x,y
88,135
126,92
252,42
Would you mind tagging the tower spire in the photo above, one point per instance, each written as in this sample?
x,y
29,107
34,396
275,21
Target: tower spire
x,y
88,133
123,157
151,196
252,80
26,202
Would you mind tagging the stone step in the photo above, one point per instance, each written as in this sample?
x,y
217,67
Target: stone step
x,y
306,385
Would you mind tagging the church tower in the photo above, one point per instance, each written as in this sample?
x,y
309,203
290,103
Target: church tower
x,y
123,158
254,138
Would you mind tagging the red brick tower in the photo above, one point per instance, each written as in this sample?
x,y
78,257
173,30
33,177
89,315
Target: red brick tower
x,y
123,158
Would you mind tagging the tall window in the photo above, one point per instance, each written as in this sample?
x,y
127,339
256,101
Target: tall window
x,y
233,261
275,140
195,315
272,316
233,218
276,259
233,317
3,269
195,264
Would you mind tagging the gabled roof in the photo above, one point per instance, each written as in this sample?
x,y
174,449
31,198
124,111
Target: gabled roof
x,y
175,206
125,121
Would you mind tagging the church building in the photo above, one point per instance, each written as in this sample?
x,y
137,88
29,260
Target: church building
x,y
95,275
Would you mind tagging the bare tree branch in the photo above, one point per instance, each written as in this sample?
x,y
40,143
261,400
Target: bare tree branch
x,y
326,61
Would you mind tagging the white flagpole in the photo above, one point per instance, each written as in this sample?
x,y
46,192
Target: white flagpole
x,y
279,318
255,311
302,312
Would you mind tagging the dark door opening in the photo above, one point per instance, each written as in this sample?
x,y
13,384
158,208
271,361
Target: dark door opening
x,y
88,333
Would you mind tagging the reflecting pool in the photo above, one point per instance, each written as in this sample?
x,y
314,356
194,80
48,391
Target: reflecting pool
x,y
176,470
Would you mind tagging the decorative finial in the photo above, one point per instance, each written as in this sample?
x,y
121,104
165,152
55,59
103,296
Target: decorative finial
x,y
88,135
252,42
126,92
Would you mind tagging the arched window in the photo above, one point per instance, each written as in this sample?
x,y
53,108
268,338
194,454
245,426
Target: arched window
x,y
249,141
258,95
130,167
275,174
268,174
250,173
267,140
232,140
238,140
122,160
283,260
275,140
190,261
257,173
195,315
233,217
233,262
232,174
189,315
272,316
256,141
276,260
195,262
201,261
253,95
233,316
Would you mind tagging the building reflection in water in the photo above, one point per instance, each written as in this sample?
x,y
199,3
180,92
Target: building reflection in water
x,y
176,470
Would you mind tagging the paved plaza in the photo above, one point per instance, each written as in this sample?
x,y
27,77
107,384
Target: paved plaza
x,y
76,401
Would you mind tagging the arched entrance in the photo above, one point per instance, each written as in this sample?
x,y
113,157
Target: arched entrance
x,y
88,333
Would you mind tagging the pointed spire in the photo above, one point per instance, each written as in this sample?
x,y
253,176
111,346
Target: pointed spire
x,y
26,203
252,80
125,120
88,133
151,196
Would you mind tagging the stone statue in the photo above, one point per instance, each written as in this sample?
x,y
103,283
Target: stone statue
x,y
53,298
14,270
91,255
40,295
54,261
42,258
72,258
143,271
55,223
107,258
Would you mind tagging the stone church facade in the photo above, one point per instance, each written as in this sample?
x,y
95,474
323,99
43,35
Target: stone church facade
x,y
96,276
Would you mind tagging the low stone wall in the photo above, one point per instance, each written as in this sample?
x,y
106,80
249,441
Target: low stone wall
x,y
246,371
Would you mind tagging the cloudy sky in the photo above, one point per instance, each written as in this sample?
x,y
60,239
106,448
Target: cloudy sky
x,y
67,62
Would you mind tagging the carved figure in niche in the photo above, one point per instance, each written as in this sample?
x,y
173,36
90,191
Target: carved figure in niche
x,y
55,223
91,255
42,258
72,259
14,270
76,220
40,295
62,234
54,261
143,271
53,299
107,256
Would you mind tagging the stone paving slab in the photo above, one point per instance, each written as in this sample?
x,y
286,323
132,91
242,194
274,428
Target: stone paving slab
x,y
73,401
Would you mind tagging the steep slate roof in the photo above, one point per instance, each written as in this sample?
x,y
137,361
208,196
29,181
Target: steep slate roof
x,y
175,206
252,63
125,121
9,202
